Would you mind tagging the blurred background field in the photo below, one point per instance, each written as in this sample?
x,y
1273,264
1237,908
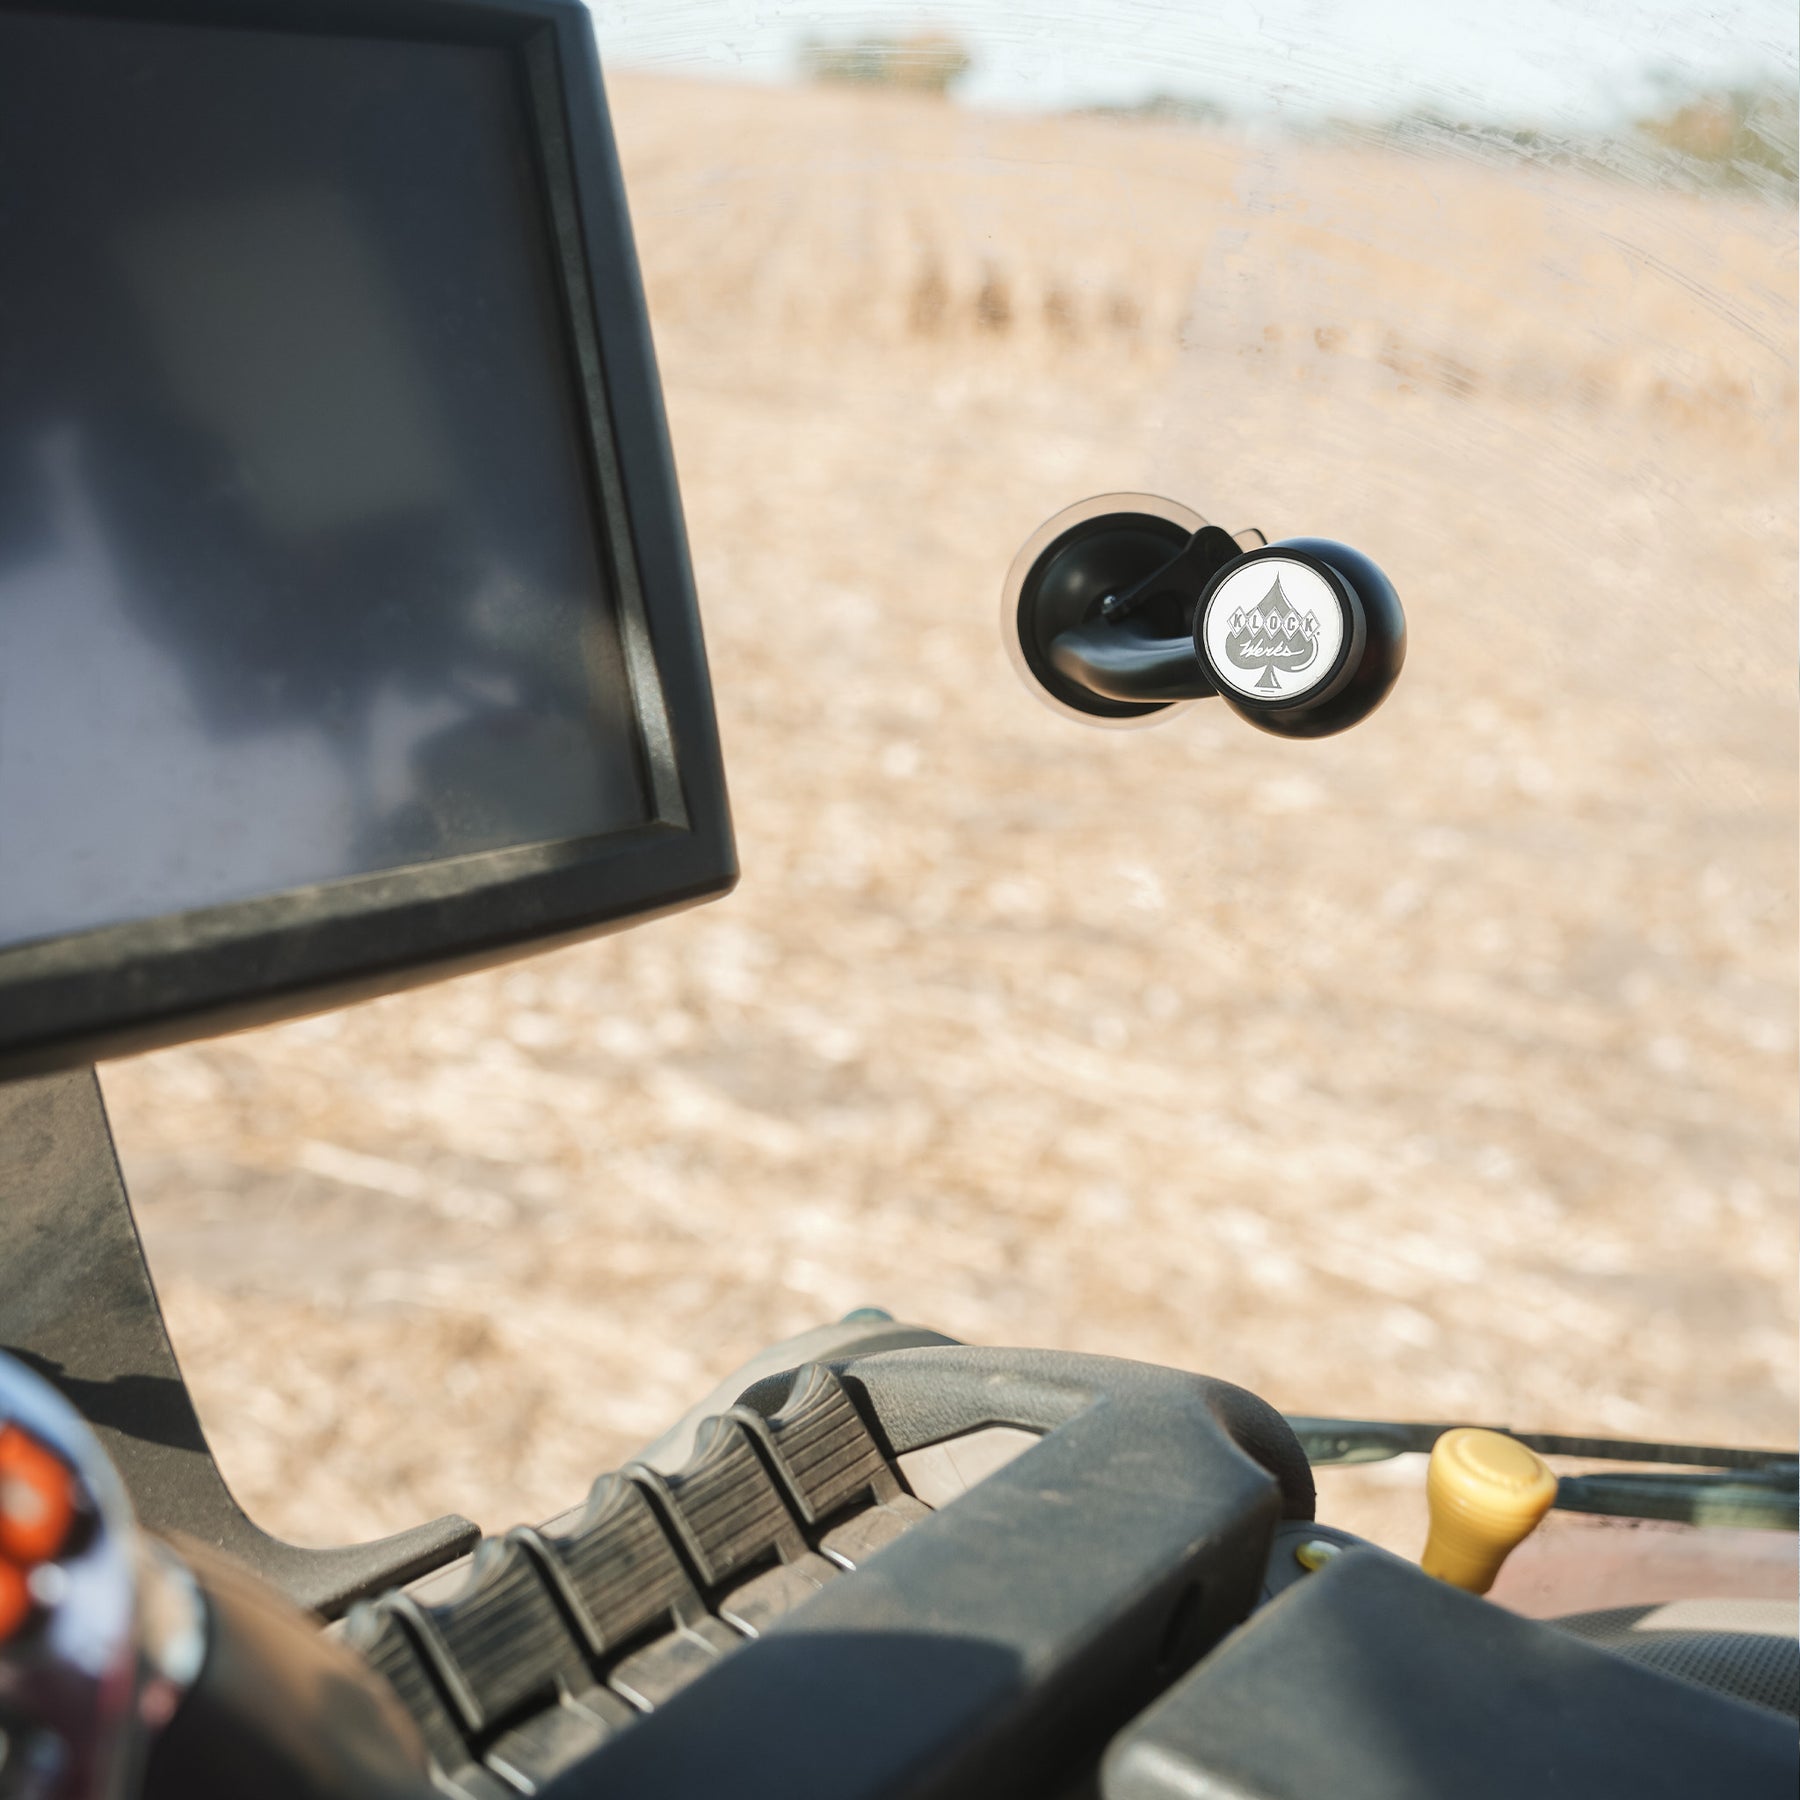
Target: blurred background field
x,y
1445,1069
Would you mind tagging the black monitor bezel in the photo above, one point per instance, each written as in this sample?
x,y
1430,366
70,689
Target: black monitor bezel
x,y
137,986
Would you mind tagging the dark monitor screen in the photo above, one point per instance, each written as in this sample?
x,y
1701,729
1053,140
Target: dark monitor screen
x,y
298,578
305,571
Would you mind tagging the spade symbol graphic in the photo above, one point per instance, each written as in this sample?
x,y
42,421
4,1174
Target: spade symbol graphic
x,y
1273,636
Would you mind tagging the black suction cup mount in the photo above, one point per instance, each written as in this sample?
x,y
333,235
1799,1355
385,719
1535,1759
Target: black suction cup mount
x,y
1121,609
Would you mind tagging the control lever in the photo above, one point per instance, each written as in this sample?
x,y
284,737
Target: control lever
x,y
1487,1493
1121,609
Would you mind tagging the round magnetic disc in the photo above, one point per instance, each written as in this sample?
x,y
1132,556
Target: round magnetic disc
x,y
1062,573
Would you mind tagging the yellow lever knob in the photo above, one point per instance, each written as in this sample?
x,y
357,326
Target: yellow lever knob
x,y
1486,1493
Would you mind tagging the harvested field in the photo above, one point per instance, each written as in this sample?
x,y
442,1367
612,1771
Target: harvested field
x,y
1445,1069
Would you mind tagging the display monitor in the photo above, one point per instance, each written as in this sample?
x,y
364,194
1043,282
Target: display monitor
x,y
347,634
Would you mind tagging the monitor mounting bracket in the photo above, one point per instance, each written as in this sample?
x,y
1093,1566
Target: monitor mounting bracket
x,y
77,1305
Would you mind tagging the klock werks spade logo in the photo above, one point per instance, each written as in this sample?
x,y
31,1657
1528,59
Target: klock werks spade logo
x,y
1273,629
1273,636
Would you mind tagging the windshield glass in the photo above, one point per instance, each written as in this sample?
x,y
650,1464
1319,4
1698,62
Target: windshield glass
x,y
1443,1069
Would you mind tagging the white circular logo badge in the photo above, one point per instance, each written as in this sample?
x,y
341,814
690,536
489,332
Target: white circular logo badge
x,y
1273,629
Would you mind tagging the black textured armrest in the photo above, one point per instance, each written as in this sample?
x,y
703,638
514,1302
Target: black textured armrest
x,y
1371,1681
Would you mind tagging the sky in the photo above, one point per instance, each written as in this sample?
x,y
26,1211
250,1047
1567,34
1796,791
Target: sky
x,y
1550,63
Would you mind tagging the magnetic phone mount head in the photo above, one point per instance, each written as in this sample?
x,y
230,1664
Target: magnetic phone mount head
x,y
1124,608
1303,637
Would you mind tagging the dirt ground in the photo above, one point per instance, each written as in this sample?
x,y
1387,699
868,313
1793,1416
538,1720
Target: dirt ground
x,y
1444,1069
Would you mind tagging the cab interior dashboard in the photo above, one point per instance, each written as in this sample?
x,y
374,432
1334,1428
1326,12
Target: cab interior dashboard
x,y
348,640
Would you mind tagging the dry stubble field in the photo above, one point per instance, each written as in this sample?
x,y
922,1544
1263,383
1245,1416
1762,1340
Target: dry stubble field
x,y
1443,1069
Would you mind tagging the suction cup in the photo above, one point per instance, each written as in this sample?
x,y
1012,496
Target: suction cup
x,y
1066,568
